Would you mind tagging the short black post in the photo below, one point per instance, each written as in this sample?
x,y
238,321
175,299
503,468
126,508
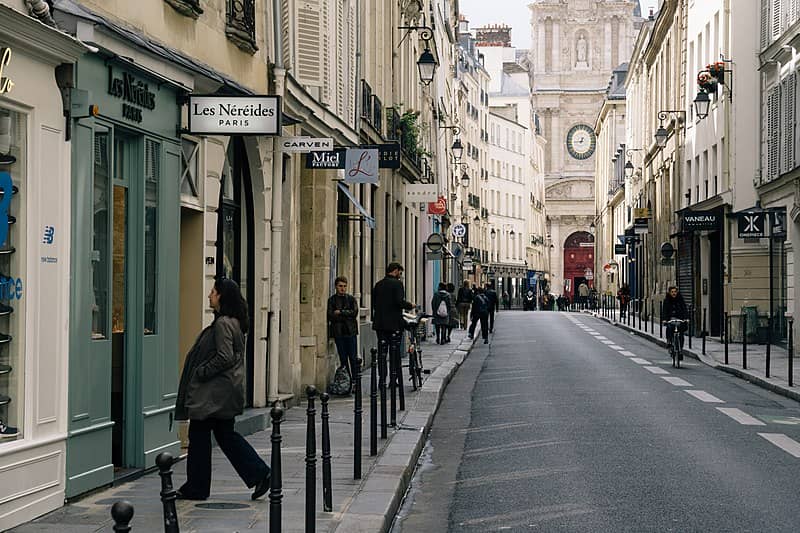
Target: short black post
x,y
383,354
652,318
744,341
639,309
703,333
392,386
373,403
122,514
311,462
164,461
727,334
661,320
646,318
791,352
769,344
357,424
398,374
275,481
691,325
327,483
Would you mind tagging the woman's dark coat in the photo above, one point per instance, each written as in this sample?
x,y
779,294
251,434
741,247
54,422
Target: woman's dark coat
x,y
438,298
212,382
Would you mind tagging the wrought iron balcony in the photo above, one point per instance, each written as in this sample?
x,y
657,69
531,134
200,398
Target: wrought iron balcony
x,y
240,24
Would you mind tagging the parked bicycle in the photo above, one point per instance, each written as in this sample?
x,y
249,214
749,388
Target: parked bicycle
x,y
676,340
415,326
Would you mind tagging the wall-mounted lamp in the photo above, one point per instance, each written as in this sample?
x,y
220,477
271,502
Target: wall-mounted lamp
x,y
465,180
629,168
427,62
661,133
702,103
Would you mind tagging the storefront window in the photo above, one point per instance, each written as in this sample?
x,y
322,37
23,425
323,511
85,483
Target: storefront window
x,y
152,156
100,233
12,186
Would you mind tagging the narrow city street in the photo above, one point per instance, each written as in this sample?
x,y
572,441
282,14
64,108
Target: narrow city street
x,y
567,423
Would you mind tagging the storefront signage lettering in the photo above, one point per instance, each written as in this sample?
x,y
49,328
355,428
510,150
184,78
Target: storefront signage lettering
x,y
388,157
7,188
361,166
135,95
5,59
10,288
700,221
306,144
234,115
751,225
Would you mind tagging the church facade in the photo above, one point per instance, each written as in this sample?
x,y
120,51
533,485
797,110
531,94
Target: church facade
x,y
576,46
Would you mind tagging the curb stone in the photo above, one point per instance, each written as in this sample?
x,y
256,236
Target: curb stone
x,y
373,508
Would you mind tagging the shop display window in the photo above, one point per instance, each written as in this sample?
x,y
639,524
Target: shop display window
x,y
13,156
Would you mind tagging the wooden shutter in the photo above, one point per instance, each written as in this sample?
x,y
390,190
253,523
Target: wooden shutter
x,y
777,18
766,30
308,42
773,133
341,58
794,12
352,43
286,32
789,114
328,44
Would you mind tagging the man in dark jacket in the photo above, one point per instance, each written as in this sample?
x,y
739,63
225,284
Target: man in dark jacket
x,y
343,324
388,303
480,311
463,301
494,304
674,307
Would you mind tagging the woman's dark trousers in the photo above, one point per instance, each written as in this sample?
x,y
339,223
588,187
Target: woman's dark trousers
x,y
441,333
250,467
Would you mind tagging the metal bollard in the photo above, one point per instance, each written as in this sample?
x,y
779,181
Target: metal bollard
x,y
357,423
327,497
122,514
164,461
727,334
383,353
399,377
791,352
646,318
311,462
661,320
691,325
392,386
373,403
769,344
639,309
652,318
744,341
703,332
275,481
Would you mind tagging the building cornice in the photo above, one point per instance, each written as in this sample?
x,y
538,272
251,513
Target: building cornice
x,y
24,33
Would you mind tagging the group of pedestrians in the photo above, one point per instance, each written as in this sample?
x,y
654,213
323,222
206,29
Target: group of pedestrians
x,y
477,304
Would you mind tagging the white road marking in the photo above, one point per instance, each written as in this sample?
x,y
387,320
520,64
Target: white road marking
x,y
678,382
601,338
703,396
629,354
640,361
616,347
790,446
656,370
740,416
607,342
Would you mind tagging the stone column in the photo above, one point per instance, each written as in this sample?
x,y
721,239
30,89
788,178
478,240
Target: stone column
x,y
607,56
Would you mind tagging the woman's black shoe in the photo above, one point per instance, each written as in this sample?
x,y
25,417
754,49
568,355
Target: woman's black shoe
x,y
181,496
261,488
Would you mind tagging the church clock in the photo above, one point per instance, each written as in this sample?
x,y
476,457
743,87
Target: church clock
x,y
581,141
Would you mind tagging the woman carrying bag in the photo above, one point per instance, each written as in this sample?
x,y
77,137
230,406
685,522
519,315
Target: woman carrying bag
x,y
441,305
211,394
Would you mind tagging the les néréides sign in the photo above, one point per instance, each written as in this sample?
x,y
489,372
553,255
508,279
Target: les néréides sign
x,y
135,95
234,115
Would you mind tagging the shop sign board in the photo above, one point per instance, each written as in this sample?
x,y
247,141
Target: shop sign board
x,y
388,157
435,242
620,249
306,144
641,212
361,165
459,230
467,264
422,192
701,221
5,59
439,207
751,225
640,225
234,115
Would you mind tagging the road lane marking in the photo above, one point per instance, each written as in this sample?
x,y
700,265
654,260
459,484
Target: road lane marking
x,y
509,378
627,353
514,446
740,416
640,361
511,476
495,427
616,347
678,382
703,396
790,446
656,370
601,338
535,515
607,342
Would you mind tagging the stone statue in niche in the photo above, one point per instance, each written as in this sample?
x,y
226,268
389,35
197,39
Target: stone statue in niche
x,y
582,53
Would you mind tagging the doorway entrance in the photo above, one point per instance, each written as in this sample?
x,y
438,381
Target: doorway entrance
x,y
578,261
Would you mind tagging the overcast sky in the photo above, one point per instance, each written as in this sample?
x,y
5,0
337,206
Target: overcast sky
x,y
515,13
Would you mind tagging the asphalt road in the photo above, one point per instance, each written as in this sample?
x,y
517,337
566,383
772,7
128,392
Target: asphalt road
x,y
566,423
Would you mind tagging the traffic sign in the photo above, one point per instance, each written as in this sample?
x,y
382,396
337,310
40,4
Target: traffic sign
x,y
459,230
435,242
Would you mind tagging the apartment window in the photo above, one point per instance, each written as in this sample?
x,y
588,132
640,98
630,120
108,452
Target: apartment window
x,y
240,25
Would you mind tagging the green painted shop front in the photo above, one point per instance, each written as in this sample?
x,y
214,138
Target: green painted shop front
x,y
123,364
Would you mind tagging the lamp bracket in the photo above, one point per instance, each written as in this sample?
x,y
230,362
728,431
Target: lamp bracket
x,y
456,129
425,33
680,115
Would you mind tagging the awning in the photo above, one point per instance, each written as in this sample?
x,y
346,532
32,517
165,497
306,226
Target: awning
x,y
370,221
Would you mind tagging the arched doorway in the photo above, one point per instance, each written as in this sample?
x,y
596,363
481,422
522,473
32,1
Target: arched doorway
x,y
578,262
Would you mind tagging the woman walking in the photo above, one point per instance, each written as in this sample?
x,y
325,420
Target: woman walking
x,y
211,394
451,289
441,305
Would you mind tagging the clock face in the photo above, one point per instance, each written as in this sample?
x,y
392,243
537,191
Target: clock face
x,y
581,141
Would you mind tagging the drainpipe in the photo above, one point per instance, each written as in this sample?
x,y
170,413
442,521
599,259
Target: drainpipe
x,y
276,224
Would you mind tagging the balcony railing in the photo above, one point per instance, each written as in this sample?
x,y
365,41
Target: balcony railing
x,y
366,101
393,128
240,24
377,114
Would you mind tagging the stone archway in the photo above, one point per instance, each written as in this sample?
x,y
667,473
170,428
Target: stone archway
x,y
578,262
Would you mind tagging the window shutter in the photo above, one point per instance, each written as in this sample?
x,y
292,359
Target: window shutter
x,y
352,43
790,131
794,12
308,42
341,58
328,44
773,132
766,30
286,32
777,18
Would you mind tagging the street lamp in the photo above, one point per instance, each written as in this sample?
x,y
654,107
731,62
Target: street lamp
x,y
661,133
702,103
427,66
493,234
511,234
629,169
592,227
465,180
458,149
661,136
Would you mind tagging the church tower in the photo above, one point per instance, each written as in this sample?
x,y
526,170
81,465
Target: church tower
x,y
576,46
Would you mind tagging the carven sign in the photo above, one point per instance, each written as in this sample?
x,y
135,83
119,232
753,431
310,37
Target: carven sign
x,y
234,115
700,221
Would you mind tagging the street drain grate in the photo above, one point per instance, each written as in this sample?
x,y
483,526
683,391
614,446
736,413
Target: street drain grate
x,y
221,505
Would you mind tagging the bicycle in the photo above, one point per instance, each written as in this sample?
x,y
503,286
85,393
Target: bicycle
x,y
675,350
413,324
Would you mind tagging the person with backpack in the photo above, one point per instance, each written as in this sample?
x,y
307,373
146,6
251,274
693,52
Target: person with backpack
x,y
441,305
343,327
463,303
453,311
480,311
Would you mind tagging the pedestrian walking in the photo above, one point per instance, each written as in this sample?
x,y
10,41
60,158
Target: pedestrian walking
x,y
211,394
624,297
480,311
494,304
451,288
441,305
463,303
507,301
583,294
343,325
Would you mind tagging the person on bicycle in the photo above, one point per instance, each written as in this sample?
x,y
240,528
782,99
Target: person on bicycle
x,y
675,307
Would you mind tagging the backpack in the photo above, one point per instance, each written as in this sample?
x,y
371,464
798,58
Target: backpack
x,y
480,304
341,384
441,311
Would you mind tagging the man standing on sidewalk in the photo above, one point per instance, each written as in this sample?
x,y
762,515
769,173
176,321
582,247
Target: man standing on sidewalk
x,y
480,311
463,301
388,302
494,304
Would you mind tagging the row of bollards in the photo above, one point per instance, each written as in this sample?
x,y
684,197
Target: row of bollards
x,y
122,511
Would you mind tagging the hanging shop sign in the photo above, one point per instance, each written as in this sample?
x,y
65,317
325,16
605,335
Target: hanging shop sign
x,y
5,59
640,225
388,157
439,207
701,221
467,264
751,225
422,192
641,212
234,115
305,144
361,165
620,249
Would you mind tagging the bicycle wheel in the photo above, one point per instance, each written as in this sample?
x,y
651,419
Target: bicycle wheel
x,y
412,368
676,350
419,367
